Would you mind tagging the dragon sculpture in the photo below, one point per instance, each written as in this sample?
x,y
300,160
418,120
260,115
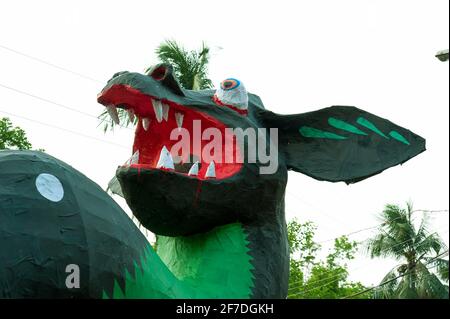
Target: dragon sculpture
x,y
220,224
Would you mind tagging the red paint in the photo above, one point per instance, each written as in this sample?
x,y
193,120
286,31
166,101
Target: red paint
x,y
150,142
234,108
197,193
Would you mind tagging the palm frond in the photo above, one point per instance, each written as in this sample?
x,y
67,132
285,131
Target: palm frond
x,y
407,287
384,245
108,123
397,223
441,265
432,243
429,285
190,67
388,286
422,231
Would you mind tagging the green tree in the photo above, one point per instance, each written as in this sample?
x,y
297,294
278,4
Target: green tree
x,y
419,251
190,67
311,278
12,137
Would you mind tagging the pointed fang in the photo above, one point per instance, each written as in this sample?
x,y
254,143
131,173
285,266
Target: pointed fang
x,y
157,107
165,159
179,119
165,111
135,158
194,169
211,171
145,123
131,115
112,111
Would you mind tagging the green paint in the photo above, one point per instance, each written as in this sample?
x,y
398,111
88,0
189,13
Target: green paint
x,y
366,123
307,131
211,265
345,126
398,137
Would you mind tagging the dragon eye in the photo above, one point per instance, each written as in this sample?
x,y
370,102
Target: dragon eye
x,y
229,84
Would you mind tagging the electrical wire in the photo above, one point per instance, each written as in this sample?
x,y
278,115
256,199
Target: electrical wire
x,y
55,103
323,279
380,224
49,63
292,286
64,129
395,278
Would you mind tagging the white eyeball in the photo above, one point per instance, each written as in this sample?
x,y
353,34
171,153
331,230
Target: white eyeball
x,y
232,92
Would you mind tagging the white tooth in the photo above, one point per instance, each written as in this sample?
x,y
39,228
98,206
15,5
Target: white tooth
x,y
165,159
165,111
194,170
112,111
211,170
135,158
131,115
145,123
157,106
179,119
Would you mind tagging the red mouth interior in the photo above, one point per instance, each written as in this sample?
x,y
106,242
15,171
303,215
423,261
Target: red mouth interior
x,y
151,141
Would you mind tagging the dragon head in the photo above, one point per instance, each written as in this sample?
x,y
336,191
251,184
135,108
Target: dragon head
x,y
191,170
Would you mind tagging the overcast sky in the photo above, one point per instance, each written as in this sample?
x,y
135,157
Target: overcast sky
x,y
298,56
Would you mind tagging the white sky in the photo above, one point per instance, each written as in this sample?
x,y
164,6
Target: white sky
x,y
298,56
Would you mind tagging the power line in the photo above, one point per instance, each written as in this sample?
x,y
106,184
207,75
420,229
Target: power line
x,y
430,211
57,67
66,130
397,244
293,285
347,297
54,103
47,100
50,64
397,277
380,224
320,211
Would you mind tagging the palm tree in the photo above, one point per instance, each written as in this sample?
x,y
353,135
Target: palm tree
x,y
419,251
190,67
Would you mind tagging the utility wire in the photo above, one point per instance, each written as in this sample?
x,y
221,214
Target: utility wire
x,y
395,278
59,68
295,286
66,130
380,224
54,103
347,297
49,64
47,100
397,244
292,286
320,211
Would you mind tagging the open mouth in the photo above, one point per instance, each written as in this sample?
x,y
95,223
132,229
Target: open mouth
x,y
214,155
